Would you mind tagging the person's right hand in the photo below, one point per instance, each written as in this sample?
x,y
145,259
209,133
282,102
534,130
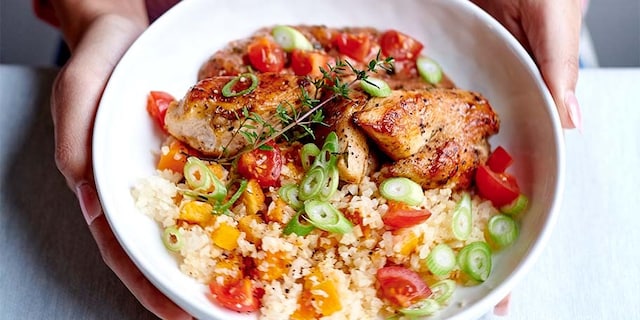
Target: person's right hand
x,y
98,33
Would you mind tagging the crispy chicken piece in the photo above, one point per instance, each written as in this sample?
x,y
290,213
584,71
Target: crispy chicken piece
x,y
355,160
436,137
210,122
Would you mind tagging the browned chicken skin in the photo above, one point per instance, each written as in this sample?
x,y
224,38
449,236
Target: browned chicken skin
x,y
210,122
433,134
436,137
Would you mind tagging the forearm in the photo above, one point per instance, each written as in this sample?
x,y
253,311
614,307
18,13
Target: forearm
x,y
73,17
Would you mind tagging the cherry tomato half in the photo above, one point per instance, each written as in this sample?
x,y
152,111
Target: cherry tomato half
x,y
238,296
157,105
308,62
356,46
400,215
500,188
399,45
499,160
263,164
266,55
401,286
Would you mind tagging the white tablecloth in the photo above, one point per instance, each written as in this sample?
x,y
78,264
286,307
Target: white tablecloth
x,y
51,269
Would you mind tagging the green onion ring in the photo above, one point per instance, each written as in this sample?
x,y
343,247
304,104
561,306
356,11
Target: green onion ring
x,y
325,216
228,92
312,183
172,239
441,260
503,230
308,153
289,194
403,190
516,207
295,226
202,184
331,182
461,222
442,290
290,38
423,307
429,70
475,260
331,143
375,87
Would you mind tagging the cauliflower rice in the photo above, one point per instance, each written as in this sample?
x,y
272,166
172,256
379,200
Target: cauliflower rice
x,y
349,261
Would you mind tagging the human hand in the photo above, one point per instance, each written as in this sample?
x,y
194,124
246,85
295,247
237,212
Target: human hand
x,y
96,49
550,31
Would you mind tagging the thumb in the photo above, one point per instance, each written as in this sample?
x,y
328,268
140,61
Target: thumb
x,y
553,30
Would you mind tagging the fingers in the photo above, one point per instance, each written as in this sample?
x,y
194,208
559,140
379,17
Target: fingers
x,y
77,91
552,28
116,258
75,99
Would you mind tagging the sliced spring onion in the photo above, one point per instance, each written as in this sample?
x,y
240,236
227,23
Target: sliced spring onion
x,y
308,153
224,208
289,194
202,180
441,260
442,290
289,38
421,308
312,183
296,226
375,87
403,190
325,216
516,207
461,221
172,239
503,230
228,91
429,70
475,260
331,143
331,181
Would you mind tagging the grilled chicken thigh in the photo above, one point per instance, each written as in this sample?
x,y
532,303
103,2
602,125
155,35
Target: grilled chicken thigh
x,y
436,137
355,159
210,122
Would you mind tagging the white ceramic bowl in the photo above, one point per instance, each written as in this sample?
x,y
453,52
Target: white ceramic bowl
x,y
474,50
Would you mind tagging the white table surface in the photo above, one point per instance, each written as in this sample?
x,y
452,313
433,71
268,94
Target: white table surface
x,y
50,268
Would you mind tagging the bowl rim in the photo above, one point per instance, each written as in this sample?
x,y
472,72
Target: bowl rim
x,y
495,294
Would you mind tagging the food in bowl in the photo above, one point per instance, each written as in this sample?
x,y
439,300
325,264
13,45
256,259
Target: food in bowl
x,y
317,172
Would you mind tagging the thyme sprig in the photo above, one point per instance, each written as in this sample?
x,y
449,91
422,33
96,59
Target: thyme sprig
x,y
338,79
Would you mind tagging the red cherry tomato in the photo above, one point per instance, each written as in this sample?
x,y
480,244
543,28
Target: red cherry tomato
x,y
308,62
499,160
400,215
399,45
500,188
401,286
263,164
238,296
266,55
356,46
157,105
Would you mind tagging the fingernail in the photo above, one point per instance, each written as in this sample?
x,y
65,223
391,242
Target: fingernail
x,y
573,109
89,203
502,308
